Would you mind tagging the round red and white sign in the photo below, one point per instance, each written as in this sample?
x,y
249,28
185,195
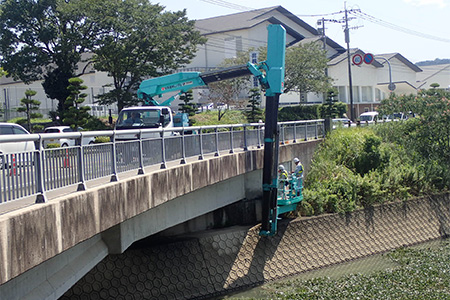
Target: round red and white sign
x,y
357,59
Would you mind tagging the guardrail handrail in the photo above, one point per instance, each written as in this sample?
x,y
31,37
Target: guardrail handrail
x,y
35,172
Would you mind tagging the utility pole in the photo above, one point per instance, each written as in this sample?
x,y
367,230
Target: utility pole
x,y
347,41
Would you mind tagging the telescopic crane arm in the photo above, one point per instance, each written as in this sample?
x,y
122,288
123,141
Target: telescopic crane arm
x,y
184,81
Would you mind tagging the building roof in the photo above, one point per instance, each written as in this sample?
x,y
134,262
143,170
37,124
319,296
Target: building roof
x,y
431,71
249,19
329,42
401,58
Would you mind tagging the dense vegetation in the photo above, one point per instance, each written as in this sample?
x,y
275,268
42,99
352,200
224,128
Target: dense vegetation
x,y
360,167
419,274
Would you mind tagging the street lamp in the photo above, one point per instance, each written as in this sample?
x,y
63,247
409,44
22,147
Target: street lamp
x,y
391,85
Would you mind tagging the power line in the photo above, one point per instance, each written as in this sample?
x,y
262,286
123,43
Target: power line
x,y
396,27
355,12
231,5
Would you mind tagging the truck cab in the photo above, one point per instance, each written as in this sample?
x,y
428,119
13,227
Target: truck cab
x,y
144,117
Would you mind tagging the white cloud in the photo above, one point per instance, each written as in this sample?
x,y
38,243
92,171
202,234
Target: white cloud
x,y
440,3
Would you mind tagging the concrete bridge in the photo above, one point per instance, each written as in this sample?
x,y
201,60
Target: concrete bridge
x,y
45,248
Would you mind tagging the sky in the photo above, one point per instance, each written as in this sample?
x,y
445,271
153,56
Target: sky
x,y
417,29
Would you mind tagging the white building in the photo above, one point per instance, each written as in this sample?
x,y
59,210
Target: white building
x,y
11,92
434,74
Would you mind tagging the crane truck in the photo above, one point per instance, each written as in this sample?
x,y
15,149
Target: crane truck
x,y
270,74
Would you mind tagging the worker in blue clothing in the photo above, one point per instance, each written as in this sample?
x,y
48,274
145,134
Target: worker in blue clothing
x,y
298,174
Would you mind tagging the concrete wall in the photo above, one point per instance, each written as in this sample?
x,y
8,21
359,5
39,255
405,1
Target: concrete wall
x,y
35,242
214,263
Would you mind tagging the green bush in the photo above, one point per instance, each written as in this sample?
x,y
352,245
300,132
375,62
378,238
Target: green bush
x,y
102,139
300,112
360,167
53,145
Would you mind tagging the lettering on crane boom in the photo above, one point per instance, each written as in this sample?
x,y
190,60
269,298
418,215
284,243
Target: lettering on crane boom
x,y
169,87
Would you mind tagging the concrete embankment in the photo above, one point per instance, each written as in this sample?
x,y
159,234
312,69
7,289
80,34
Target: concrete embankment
x,y
217,262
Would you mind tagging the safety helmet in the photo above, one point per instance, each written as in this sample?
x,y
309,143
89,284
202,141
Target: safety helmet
x,y
281,167
296,160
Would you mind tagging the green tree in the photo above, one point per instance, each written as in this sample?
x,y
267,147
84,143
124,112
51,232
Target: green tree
x,y
330,108
255,113
142,41
45,40
2,72
305,65
28,106
76,115
188,106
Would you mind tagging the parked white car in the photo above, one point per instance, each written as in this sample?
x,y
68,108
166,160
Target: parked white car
x,y
368,117
64,142
15,147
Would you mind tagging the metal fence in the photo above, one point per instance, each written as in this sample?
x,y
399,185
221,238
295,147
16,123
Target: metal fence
x,y
36,172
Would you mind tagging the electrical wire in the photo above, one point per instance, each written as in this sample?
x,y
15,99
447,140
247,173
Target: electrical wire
x,y
396,27
355,12
231,5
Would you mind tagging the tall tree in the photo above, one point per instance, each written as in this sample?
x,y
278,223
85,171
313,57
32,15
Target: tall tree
x,y
305,69
76,115
330,108
29,106
255,113
142,41
45,40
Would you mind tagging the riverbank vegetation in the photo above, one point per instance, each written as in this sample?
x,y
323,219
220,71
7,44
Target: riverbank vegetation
x,y
363,166
418,274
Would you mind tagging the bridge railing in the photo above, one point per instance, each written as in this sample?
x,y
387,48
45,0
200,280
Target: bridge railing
x,y
35,172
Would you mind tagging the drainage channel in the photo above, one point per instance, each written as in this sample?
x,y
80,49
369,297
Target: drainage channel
x,y
365,266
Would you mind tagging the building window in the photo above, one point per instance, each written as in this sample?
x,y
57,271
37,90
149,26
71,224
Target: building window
x,y
232,46
379,95
366,94
356,95
342,96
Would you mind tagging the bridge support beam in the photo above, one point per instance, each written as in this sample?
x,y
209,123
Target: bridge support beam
x,y
182,209
53,278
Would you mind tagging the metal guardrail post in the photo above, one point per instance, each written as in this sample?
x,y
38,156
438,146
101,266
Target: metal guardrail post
x,y
295,134
306,131
200,140
40,198
81,180
245,138
163,151
315,131
141,155
183,148
259,137
216,131
114,159
231,140
281,130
